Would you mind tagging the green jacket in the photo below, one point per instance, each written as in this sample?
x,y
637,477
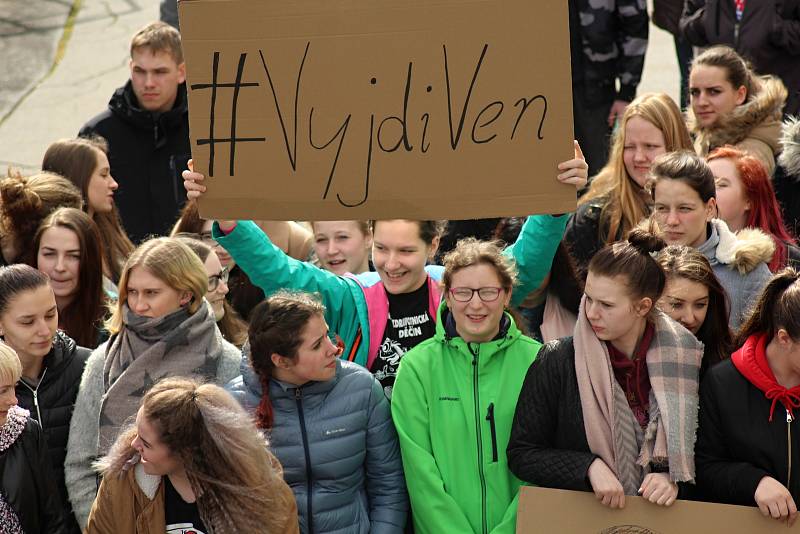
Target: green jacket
x,y
271,269
453,404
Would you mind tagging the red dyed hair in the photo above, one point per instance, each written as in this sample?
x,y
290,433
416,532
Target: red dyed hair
x,y
765,212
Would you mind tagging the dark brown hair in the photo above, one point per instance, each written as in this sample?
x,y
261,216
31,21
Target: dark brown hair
x,y
15,279
76,160
83,317
687,167
737,71
276,327
631,260
26,201
777,307
681,261
428,230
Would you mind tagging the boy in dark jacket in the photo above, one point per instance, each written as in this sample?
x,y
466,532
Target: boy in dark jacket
x,y
147,129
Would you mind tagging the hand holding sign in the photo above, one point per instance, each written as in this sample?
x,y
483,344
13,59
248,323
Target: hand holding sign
x,y
659,489
605,484
774,500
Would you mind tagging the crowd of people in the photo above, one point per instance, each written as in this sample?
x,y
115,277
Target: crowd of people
x,y
160,372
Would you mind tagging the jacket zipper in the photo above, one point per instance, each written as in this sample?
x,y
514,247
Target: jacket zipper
x,y
736,36
490,418
298,397
36,397
789,420
476,399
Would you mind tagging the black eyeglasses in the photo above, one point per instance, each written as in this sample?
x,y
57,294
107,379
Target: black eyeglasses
x,y
213,281
465,294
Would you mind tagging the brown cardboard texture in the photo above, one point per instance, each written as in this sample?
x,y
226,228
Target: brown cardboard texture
x,y
359,109
549,511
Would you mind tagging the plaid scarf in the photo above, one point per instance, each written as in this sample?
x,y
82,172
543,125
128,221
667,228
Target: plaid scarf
x,y
673,363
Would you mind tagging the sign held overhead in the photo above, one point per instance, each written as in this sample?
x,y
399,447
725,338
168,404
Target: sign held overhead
x,y
357,110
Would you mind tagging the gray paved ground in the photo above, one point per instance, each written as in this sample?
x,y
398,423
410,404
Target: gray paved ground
x,y
60,60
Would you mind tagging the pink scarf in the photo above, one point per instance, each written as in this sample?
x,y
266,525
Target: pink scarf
x,y
673,363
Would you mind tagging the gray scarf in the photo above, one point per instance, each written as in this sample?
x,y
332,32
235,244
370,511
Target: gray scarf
x,y
148,349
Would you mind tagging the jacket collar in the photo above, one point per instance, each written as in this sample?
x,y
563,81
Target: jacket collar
x,y
790,141
446,333
147,483
743,251
125,105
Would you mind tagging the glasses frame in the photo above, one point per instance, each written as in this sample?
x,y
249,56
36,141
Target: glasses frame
x,y
214,280
452,291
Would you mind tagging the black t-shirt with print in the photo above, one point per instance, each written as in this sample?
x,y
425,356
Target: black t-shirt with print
x,y
182,517
408,325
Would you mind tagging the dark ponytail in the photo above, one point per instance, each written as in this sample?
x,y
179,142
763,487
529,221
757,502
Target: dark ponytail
x,y
276,327
632,260
778,307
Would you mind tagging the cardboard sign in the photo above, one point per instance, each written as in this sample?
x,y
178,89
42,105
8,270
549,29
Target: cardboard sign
x,y
358,109
546,511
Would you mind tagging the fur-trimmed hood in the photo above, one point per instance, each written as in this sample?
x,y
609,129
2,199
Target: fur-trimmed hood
x,y
790,142
745,250
758,118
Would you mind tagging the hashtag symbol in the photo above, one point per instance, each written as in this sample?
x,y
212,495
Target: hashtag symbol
x,y
211,141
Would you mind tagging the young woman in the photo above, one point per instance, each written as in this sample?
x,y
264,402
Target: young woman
x,y
685,205
24,203
613,409
52,363
745,199
161,326
328,421
192,462
342,247
230,325
731,105
616,201
29,500
476,361
382,315
69,251
694,297
84,162
746,440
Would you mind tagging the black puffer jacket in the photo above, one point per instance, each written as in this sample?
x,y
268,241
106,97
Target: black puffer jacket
x,y
585,233
548,444
54,399
737,445
147,152
27,482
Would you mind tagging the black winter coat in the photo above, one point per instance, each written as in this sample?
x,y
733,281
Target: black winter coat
x,y
27,482
584,236
54,400
737,445
147,152
768,36
548,444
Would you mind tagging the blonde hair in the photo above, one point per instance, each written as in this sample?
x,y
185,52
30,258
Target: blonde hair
x,y
170,261
159,37
626,206
10,366
237,481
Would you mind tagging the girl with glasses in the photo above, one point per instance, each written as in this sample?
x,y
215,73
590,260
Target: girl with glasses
x,y
461,387
613,409
230,324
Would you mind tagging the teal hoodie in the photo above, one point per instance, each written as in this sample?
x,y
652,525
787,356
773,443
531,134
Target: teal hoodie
x,y
453,405
271,269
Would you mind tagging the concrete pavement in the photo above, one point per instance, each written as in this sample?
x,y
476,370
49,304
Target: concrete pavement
x,y
62,60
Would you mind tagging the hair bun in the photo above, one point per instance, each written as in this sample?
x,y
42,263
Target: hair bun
x,y
646,240
18,197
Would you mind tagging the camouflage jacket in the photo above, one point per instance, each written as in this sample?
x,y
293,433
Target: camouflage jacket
x,y
613,40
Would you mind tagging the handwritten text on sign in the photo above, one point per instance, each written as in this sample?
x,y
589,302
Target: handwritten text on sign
x,y
399,123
